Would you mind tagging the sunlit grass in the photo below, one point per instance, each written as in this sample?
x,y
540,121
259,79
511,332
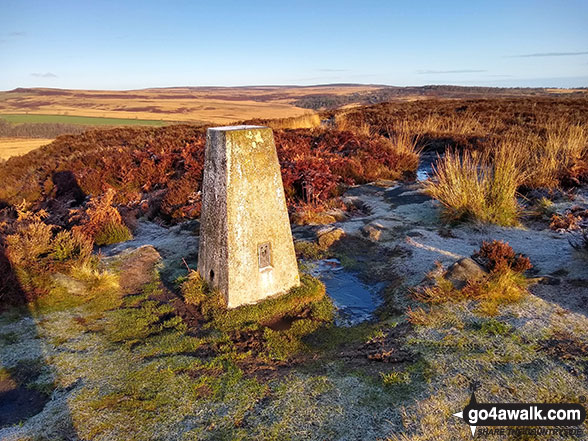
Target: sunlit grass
x,y
478,187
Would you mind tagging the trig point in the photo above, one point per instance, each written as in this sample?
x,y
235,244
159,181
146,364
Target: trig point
x,y
246,248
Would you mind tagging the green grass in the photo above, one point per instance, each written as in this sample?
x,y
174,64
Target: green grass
x,y
307,305
81,120
310,294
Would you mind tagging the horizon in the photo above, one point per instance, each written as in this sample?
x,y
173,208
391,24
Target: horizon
x,y
252,86
139,45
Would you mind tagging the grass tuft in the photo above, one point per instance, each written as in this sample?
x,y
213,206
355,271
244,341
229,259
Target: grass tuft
x,y
477,187
194,289
112,232
394,378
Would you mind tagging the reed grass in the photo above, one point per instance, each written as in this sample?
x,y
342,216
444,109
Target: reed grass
x,y
478,186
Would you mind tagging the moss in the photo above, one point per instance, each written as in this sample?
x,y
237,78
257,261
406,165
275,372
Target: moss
x,y
134,300
494,327
152,288
111,233
323,309
309,250
59,298
171,342
281,345
267,311
135,324
304,309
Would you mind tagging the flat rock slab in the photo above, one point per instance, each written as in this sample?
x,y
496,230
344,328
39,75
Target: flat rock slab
x,y
137,268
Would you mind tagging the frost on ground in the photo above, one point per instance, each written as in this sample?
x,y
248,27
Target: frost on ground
x,y
130,368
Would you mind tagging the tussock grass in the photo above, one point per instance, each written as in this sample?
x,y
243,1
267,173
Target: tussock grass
x,y
501,288
306,121
96,281
463,124
478,187
404,140
550,159
194,289
393,378
111,233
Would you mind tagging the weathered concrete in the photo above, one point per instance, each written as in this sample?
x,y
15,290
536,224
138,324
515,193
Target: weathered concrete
x,y
246,248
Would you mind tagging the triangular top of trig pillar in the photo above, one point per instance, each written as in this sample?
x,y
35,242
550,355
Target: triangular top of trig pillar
x,y
231,128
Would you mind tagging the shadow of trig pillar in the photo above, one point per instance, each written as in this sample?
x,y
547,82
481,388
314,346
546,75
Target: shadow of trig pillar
x,y
246,248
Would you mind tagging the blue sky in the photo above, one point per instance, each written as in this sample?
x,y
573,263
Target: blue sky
x,y
134,44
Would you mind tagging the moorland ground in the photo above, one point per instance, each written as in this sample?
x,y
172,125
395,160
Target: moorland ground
x,y
107,334
47,113
217,105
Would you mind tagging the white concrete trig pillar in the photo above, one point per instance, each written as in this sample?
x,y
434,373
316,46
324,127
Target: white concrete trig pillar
x,y
246,247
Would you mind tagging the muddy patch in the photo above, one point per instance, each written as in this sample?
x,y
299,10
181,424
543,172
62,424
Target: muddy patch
x,y
386,345
18,403
564,346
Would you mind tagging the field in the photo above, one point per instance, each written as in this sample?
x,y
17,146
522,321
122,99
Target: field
x,y
81,120
443,247
212,105
19,146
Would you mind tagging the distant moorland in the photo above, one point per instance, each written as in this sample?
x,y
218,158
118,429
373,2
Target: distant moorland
x,y
31,116
228,104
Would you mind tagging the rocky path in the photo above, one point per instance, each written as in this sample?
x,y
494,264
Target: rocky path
x,y
404,219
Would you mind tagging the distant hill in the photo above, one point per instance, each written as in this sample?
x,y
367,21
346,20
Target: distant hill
x,y
223,105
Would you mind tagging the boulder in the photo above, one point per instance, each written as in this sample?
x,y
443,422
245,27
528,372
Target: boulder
x,y
328,236
463,271
337,214
373,231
